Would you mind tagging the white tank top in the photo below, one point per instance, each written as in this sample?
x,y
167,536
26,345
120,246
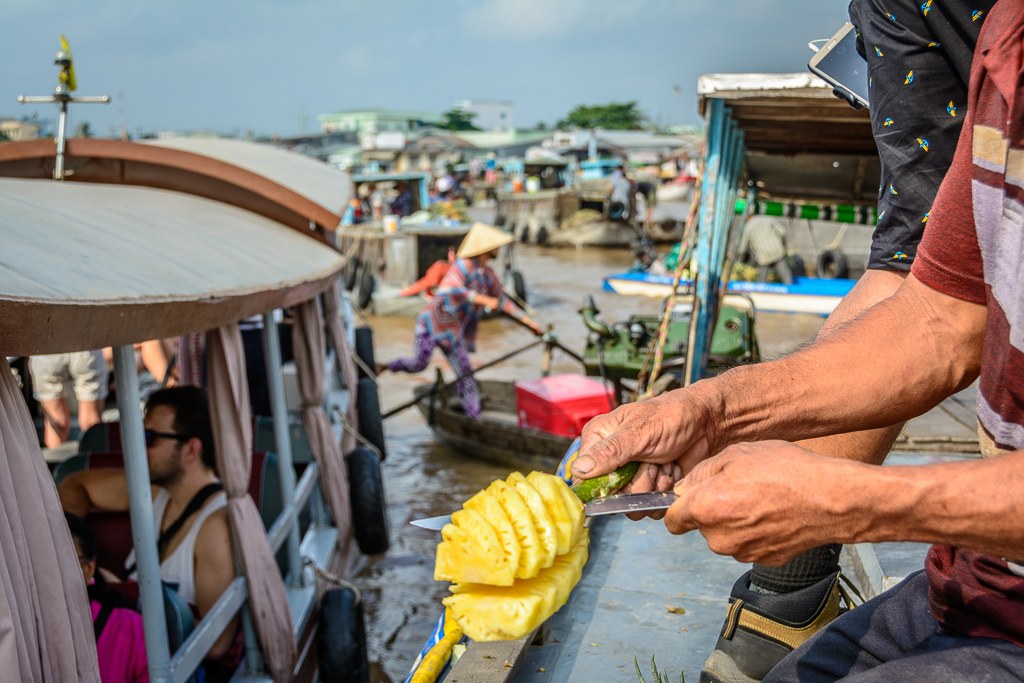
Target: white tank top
x,y
179,567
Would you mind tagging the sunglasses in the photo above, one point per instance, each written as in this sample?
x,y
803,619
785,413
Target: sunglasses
x,y
152,436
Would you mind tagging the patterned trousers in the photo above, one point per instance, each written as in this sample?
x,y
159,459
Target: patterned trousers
x,y
458,358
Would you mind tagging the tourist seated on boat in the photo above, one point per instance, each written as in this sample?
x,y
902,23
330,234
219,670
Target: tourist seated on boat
x,y
120,640
189,508
51,374
956,317
450,320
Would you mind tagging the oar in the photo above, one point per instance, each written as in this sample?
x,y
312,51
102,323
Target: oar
x,y
410,404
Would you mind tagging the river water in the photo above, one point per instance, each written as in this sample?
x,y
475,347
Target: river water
x,y
401,600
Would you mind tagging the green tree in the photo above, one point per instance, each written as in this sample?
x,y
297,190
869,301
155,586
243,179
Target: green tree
x,y
83,130
612,116
458,119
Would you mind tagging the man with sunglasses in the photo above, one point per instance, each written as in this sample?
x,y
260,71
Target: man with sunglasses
x,y
189,507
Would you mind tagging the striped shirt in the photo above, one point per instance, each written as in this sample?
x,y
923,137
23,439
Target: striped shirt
x,y
973,249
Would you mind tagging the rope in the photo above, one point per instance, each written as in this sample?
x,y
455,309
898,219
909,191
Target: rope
x,y
347,426
329,577
666,317
370,372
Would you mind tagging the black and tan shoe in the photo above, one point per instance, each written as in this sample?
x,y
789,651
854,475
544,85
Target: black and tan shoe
x,y
761,629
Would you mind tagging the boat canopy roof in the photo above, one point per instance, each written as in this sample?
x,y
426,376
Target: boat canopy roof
x,y
319,182
287,187
85,266
802,141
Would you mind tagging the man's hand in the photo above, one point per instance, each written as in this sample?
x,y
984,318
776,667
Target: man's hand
x,y
767,502
671,429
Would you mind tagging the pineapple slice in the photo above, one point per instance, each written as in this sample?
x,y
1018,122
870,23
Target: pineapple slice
x,y
470,551
547,487
488,506
575,509
541,519
510,612
532,554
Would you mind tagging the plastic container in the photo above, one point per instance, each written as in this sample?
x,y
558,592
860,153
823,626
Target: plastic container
x,y
561,404
390,223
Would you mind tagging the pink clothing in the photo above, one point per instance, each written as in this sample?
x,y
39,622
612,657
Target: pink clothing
x,y
121,649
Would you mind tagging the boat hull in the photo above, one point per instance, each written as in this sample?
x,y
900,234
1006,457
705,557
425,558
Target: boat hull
x,y
495,437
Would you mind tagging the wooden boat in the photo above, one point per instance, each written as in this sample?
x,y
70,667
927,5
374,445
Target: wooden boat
x,y
496,436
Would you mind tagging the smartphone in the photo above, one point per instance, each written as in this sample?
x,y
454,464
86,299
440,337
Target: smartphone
x,y
840,64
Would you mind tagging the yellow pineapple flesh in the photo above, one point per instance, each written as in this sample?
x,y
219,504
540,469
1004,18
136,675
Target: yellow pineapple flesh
x,y
532,554
488,506
547,486
470,551
541,519
487,612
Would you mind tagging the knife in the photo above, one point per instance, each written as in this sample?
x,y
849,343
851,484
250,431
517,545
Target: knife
x,y
609,505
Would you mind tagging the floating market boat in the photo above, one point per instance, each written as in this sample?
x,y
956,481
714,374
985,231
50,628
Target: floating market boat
x,y
496,436
813,295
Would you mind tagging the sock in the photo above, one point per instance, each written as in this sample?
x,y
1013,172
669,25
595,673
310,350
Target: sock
x,y
802,571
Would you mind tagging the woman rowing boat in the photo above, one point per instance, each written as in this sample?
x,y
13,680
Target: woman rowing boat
x,y
450,319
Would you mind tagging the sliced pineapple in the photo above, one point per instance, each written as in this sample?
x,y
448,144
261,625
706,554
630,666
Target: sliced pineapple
x,y
509,612
518,513
470,551
575,509
488,506
547,487
546,531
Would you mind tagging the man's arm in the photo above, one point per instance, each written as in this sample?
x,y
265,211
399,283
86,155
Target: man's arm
x,y
767,502
895,361
214,572
79,492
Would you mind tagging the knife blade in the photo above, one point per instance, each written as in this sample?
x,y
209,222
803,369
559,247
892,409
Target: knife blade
x,y
610,505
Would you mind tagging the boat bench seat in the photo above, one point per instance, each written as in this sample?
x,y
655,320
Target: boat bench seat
x,y
105,437
113,529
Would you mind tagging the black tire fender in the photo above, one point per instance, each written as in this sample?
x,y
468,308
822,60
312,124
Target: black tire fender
x,y
341,638
364,349
832,265
366,494
366,287
351,272
519,285
371,425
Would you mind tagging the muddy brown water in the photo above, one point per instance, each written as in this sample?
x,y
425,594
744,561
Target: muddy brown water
x,y
422,479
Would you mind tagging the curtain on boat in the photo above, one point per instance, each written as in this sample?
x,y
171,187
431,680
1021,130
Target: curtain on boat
x,y
308,348
232,435
46,629
346,366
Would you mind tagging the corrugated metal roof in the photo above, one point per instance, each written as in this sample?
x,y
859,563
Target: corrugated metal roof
x,y
86,265
315,180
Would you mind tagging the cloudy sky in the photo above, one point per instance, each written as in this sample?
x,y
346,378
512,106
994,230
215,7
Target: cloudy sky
x,y
259,64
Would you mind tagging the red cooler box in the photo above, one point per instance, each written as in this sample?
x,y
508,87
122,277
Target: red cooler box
x,y
561,404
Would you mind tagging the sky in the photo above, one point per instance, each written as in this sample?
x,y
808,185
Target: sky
x,y
271,67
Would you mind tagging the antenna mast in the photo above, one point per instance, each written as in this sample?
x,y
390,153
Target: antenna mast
x,y
66,84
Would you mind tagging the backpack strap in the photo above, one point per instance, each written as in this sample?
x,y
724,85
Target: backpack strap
x,y
202,495
101,619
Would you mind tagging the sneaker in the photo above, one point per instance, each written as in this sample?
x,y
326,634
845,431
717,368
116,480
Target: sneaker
x,y
761,629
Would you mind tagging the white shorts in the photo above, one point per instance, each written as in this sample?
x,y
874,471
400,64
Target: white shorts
x,y
51,374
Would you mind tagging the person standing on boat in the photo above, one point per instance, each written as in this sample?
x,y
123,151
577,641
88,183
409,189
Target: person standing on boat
x,y
450,319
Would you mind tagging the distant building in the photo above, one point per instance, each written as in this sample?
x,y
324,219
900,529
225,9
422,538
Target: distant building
x,y
495,115
15,129
376,121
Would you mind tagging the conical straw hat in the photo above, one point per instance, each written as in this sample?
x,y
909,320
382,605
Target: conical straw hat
x,y
482,239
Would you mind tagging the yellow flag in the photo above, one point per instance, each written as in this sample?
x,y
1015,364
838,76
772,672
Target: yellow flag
x,y
69,77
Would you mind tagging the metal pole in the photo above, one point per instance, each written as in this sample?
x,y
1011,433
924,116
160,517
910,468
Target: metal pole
x,y
282,441
140,507
62,121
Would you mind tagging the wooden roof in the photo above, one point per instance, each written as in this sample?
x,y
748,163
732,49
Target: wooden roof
x,y
87,265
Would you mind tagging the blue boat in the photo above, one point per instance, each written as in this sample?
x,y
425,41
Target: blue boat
x,y
813,295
